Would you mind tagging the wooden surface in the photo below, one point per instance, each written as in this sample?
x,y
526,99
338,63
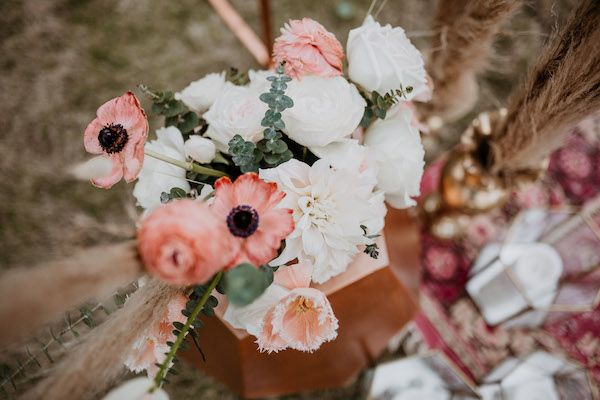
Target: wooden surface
x,y
370,310
404,247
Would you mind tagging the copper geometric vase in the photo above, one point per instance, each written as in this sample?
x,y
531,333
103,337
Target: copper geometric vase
x,y
371,304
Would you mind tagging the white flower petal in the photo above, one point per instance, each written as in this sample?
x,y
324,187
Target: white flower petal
x,y
136,389
250,317
159,176
396,145
382,59
325,110
201,94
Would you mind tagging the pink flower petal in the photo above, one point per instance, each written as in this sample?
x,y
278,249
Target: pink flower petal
x,y
294,276
278,222
115,175
268,341
224,200
90,137
305,320
308,49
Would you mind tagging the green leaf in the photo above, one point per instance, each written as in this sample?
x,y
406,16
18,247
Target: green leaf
x,y
244,284
165,197
286,102
178,325
272,159
188,122
177,193
268,275
212,302
174,107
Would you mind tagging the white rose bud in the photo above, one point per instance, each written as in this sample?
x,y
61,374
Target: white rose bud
x,y
325,110
396,145
382,58
201,94
200,149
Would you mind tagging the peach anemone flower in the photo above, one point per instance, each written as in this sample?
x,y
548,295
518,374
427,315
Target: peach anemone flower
x,y
255,228
119,133
308,49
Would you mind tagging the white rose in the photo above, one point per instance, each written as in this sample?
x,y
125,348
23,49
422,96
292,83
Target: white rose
x,y
201,94
396,145
382,58
159,176
200,149
258,80
325,110
236,111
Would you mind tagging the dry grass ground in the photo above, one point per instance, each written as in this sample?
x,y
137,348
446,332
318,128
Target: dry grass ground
x,y
60,59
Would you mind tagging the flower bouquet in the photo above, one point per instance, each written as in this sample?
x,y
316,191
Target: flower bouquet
x,y
266,184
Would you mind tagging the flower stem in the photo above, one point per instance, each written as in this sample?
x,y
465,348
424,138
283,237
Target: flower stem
x,y
165,366
188,166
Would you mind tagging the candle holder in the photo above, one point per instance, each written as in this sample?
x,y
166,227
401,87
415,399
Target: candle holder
x,y
467,185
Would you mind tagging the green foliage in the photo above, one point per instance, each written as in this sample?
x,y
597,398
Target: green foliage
x,y
272,150
378,105
245,154
87,315
275,150
245,283
372,250
236,76
200,300
174,194
176,113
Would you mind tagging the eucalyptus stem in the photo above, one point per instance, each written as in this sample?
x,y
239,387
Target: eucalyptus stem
x,y
164,367
188,166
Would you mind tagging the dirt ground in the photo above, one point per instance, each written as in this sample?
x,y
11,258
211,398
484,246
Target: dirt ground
x,y
60,59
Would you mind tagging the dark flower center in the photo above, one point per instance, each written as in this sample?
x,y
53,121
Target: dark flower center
x,y
113,138
242,221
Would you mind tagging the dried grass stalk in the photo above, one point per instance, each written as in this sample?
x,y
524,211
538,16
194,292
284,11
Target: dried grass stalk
x,y
465,33
95,363
33,297
561,89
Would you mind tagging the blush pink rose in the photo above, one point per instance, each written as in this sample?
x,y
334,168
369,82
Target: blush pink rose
x,y
119,133
184,243
150,349
308,49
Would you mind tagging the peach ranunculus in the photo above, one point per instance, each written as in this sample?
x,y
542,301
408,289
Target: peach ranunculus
x,y
247,212
119,133
151,348
308,49
301,320
184,243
